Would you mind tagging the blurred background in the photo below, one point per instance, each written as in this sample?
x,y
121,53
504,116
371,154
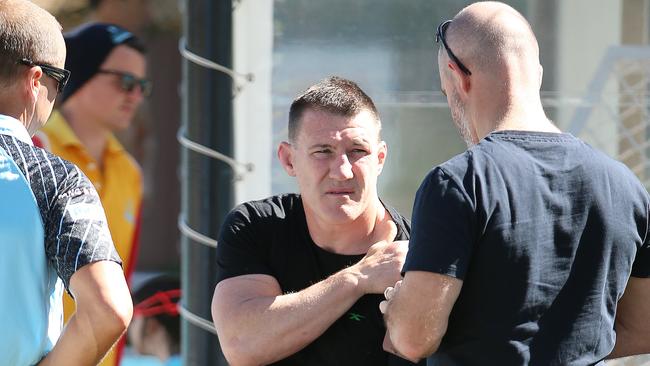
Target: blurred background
x,y
595,57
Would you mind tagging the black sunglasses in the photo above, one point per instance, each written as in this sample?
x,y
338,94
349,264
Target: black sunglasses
x,y
440,36
128,81
60,75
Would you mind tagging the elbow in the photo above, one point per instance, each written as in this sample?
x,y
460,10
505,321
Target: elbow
x,y
415,350
237,352
414,344
235,346
118,315
113,315
122,315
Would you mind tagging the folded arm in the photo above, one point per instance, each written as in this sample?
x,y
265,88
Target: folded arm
x,y
258,324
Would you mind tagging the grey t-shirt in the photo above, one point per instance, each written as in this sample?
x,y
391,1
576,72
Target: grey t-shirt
x,y
544,231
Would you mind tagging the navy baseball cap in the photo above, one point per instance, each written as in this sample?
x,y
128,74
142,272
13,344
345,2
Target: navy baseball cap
x,y
87,48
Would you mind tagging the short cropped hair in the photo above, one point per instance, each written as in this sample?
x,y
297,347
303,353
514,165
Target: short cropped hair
x,y
26,31
334,95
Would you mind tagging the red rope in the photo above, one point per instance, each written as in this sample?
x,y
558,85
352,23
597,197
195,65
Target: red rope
x,y
162,302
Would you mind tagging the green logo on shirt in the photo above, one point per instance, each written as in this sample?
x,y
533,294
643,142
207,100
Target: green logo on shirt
x,y
355,317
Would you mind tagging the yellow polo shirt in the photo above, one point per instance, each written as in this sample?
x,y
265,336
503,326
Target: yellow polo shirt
x,y
119,185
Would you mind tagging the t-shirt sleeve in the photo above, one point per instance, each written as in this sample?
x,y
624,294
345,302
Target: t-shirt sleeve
x,y
77,232
641,266
240,247
443,227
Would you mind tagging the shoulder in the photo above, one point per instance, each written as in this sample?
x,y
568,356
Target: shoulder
x,y
45,167
599,168
69,184
66,173
446,173
445,189
130,173
130,165
269,210
403,224
459,165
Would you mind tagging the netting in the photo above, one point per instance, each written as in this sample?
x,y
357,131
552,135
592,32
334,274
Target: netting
x,y
615,114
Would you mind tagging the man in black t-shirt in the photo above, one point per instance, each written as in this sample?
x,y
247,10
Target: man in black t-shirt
x,y
300,277
522,247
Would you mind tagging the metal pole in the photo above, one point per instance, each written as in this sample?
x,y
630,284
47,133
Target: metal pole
x,y
207,183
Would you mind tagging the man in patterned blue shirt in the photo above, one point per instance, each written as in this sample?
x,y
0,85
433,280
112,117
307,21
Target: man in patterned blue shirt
x,y
53,231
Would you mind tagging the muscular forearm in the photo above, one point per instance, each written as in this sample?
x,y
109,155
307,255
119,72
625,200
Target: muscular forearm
x,y
417,312
408,334
266,329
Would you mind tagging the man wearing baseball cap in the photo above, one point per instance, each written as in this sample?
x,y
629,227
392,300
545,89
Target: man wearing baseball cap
x,y
106,87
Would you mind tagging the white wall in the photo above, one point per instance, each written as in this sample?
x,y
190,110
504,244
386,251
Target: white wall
x,y
586,30
253,50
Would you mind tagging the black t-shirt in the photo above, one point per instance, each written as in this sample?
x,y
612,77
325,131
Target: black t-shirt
x,y
271,237
544,231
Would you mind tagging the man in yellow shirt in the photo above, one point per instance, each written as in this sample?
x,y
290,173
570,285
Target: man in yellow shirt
x,y
108,67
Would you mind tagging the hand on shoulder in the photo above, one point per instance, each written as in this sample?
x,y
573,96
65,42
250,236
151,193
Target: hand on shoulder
x,y
383,263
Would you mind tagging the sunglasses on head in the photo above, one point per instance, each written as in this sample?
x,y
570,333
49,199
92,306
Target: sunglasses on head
x,y
61,76
440,36
128,81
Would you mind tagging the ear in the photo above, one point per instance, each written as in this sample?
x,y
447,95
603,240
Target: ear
x,y
460,79
285,154
381,156
32,82
541,76
28,87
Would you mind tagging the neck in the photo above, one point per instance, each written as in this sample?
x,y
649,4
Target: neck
x,y
93,137
13,108
514,112
359,233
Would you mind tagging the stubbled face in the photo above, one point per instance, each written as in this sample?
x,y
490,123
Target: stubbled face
x,y
460,119
458,109
336,161
104,100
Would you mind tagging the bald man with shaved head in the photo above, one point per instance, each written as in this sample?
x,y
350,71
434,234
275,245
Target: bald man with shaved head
x,y
530,248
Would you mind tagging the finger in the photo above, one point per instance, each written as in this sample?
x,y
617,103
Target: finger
x,y
398,284
392,231
388,293
386,231
382,306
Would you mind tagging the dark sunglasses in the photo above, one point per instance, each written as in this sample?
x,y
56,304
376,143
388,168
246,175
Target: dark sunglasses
x,y
440,36
60,75
128,81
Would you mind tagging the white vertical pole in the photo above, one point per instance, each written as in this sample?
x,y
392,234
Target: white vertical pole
x,y
253,53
